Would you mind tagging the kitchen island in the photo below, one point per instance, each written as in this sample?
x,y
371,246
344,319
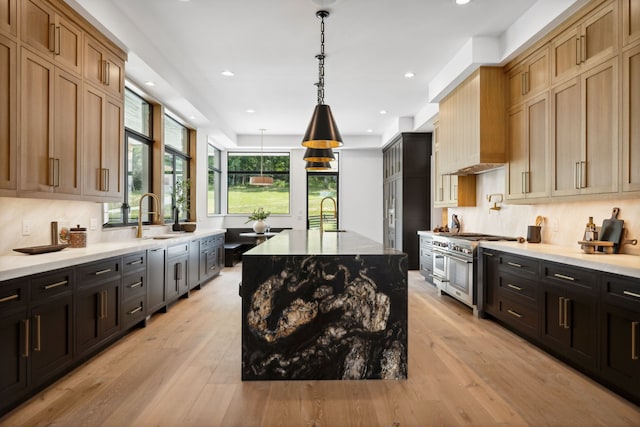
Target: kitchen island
x,y
323,305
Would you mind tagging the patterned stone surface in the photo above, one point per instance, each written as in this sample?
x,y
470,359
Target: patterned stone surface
x,y
324,317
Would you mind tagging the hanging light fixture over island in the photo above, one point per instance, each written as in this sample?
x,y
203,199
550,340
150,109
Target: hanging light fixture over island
x,y
322,134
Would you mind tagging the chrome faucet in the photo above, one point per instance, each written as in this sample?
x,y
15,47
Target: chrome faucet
x,y
154,212
335,211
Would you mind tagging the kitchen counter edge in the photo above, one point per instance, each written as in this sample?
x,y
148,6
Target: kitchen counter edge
x,y
15,265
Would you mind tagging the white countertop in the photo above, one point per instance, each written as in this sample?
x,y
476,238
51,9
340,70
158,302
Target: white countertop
x,y
624,264
17,264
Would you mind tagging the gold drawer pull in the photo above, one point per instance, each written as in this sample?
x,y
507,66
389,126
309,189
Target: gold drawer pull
x,y
631,294
517,288
513,264
106,270
135,310
55,285
135,285
562,276
10,298
513,313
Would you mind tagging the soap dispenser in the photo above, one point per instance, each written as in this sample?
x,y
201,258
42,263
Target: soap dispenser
x,y
590,233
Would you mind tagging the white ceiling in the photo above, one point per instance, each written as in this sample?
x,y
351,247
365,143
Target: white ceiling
x,y
183,46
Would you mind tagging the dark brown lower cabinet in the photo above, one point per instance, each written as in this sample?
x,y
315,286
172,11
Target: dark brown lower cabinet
x,y
588,318
156,295
36,334
98,316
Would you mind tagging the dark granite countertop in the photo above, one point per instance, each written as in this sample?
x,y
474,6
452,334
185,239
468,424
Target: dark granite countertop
x,y
312,242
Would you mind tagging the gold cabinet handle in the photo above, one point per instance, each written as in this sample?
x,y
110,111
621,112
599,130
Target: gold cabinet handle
x,y
25,325
631,294
135,285
9,298
560,308
514,264
634,353
101,272
562,276
55,285
56,42
513,313
517,288
37,347
487,254
135,310
138,261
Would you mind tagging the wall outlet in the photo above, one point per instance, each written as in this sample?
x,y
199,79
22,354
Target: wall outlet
x,y
93,224
554,224
26,227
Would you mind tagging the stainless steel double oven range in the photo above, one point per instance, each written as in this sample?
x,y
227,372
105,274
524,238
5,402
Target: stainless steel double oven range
x,y
455,264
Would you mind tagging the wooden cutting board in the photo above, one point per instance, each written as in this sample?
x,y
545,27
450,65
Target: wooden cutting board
x,y
611,230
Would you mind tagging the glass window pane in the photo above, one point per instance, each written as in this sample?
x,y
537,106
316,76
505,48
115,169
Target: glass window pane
x,y
138,175
176,135
213,180
319,186
137,113
243,198
168,186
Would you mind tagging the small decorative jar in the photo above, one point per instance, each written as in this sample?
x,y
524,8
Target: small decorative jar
x,y
78,237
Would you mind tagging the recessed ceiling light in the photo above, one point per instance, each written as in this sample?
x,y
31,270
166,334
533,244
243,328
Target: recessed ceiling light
x,y
227,73
149,83
462,1
250,110
369,130
383,112
409,75
192,116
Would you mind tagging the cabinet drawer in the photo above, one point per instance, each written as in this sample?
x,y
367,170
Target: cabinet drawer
x,y
207,242
571,276
134,284
516,287
523,317
134,311
517,264
134,262
13,294
95,272
621,290
50,284
177,250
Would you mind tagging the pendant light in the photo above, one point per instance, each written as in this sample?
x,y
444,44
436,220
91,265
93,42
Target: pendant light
x,y
322,131
261,180
318,166
318,155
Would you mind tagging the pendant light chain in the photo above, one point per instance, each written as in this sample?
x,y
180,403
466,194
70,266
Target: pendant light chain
x,y
321,57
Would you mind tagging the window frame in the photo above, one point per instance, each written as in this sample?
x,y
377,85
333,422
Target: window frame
x,y
182,156
216,170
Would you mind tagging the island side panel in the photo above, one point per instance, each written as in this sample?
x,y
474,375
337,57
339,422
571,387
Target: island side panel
x,y
324,317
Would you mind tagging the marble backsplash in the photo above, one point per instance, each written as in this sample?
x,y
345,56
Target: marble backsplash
x,y
39,213
563,224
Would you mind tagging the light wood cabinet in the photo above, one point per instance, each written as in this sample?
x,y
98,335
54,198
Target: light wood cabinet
x,y
103,144
472,123
630,121
51,34
103,68
8,118
530,77
527,150
585,133
8,16
50,129
450,190
630,21
592,40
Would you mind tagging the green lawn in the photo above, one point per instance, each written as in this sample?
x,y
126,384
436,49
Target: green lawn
x,y
245,199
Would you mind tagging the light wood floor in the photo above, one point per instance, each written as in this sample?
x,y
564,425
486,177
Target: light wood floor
x,y
184,370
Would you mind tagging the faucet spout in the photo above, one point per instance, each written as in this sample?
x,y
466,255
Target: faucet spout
x,y
335,211
154,212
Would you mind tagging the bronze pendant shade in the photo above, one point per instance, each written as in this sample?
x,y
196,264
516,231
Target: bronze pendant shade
x,y
322,131
318,155
318,166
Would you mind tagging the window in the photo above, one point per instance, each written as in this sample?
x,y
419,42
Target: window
x,y
137,162
176,165
214,173
320,185
243,198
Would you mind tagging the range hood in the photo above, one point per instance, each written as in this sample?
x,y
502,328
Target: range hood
x,y
476,169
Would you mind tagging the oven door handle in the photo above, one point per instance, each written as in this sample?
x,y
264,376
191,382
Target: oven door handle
x,y
466,260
